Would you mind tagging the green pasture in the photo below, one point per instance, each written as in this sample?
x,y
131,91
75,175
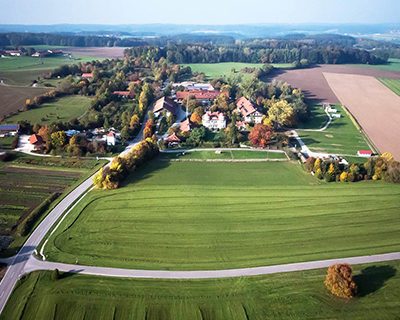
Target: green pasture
x,y
392,65
392,84
341,137
298,295
239,154
62,109
203,215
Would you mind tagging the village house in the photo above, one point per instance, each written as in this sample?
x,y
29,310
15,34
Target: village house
x,y
199,95
36,141
172,140
364,153
125,94
9,130
165,104
87,75
13,53
248,111
214,120
111,138
190,85
185,126
241,125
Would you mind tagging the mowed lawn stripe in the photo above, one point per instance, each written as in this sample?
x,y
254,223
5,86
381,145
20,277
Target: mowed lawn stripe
x,y
164,219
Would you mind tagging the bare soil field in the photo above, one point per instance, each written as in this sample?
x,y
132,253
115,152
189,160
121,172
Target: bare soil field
x,y
13,98
314,84
100,52
376,108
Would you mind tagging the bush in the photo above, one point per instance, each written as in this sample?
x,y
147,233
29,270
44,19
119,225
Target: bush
x,y
55,275
344,176
329,177
339,281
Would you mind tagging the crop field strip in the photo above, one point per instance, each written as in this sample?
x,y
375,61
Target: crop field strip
x,y
298,295
224,155
189,216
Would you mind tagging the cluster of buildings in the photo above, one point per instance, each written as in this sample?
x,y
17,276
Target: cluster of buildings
x,y
36,54
9,130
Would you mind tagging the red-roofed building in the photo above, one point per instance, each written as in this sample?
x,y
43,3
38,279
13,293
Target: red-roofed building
x,y
36,141
201,95
365,153
248,111
185,126
172,139
125,94
87,75
165,104
214,120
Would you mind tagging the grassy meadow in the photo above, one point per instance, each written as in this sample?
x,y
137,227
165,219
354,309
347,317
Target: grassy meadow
x,y
23,70
341,137
392,65
216,70
239,154
62,109
203,215
392,84
297,295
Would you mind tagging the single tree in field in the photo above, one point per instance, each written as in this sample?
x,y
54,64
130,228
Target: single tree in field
x,y
260,135
282,113
339,281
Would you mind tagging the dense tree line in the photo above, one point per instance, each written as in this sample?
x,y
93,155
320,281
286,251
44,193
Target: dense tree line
x,y
260,52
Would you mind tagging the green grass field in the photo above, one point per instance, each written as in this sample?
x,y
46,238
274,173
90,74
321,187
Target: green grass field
x,y
341,137
392,65
317,119
239,154
298,295
23,70
392,84
185,215
216,70
63,109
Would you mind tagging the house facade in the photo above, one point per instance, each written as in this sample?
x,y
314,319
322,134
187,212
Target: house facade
x,y
9,130
248,111
165,104
214,120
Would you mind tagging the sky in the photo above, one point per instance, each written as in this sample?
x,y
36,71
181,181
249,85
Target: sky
x,y
198,12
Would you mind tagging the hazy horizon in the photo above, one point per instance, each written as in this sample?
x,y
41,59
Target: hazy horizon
x,y
124,12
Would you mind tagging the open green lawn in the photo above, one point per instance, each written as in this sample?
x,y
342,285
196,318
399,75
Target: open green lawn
x,y
298,295
202,215
392,84
318,118
23,70
392,65
341,137
215,70
63,109
239,154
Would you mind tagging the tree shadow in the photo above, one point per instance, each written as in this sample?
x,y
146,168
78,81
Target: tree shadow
x,y
70,273
371,279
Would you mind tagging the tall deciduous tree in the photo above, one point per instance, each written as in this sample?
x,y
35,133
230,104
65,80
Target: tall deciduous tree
x,y
282,113
260,135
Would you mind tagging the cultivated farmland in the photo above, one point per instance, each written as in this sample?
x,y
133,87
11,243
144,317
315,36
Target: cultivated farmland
x,y
27,183
187,215
374,106
63,109
392,84
298,295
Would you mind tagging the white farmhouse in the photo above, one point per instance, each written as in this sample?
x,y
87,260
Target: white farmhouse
x,y
214,120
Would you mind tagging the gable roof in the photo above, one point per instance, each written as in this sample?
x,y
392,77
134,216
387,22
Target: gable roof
x,y
165,103
198,94
185,126
172,138
35,139
87,75
245,106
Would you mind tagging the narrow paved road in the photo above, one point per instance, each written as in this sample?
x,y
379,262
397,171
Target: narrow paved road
x,y
35,264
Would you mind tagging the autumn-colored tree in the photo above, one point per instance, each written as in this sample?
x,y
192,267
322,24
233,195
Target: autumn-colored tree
x,y
260,135
44,132
134,122
58,139
310,164
344,176
331,169
282,113
318,173
145,97
339,281
195,118
317,165
267,121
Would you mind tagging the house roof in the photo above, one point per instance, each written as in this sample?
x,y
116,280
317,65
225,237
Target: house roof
x,y
124,93
198,94
245,106
172,138
185,126
87,75
365,152
35,139
165,103
9,127
214,115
